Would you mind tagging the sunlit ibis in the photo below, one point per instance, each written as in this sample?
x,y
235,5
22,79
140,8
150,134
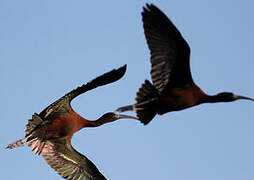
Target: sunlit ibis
x,y
50,132
173,88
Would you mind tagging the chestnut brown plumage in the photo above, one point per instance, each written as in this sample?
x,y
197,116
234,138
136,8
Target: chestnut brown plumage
x,y
50,132
173,88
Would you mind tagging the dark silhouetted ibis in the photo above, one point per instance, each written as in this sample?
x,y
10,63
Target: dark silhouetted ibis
x,y
173,88
50,132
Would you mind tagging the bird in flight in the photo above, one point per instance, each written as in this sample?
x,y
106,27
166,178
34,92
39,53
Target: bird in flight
x,y
49,133
172,87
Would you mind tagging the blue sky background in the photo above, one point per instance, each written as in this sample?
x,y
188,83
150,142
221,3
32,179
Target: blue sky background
x,y
49,47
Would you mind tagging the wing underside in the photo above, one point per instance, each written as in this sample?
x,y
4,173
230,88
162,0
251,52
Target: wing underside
x,y
69,163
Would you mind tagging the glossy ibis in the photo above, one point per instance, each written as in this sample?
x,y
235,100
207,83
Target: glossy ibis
x,y
173,88
50,132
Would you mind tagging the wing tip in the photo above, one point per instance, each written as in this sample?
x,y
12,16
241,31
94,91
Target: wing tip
x,y
121,71
149,7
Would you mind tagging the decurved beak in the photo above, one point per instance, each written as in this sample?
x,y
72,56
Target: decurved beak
x,y
243,97
122,116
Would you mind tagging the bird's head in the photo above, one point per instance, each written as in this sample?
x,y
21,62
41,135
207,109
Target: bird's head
x,y
112,116
108,117
228,97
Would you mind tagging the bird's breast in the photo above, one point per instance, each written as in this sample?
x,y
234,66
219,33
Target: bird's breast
x,y
179,99
67,124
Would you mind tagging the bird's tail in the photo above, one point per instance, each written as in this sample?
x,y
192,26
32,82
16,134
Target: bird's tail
x,y
34,137
35,134
35,144
126,108
18,143
146,103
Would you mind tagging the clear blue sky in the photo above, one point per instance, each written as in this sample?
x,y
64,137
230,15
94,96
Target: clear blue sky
x,y
47,48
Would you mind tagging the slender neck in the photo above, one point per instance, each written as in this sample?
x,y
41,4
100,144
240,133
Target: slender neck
x,y
99,122
213,99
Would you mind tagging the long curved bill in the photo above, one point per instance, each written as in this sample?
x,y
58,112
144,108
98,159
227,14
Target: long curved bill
x,y
243,97
121,116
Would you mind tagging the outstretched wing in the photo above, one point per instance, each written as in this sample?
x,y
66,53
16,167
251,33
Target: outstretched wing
x,y
169,51
69,163
63,104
